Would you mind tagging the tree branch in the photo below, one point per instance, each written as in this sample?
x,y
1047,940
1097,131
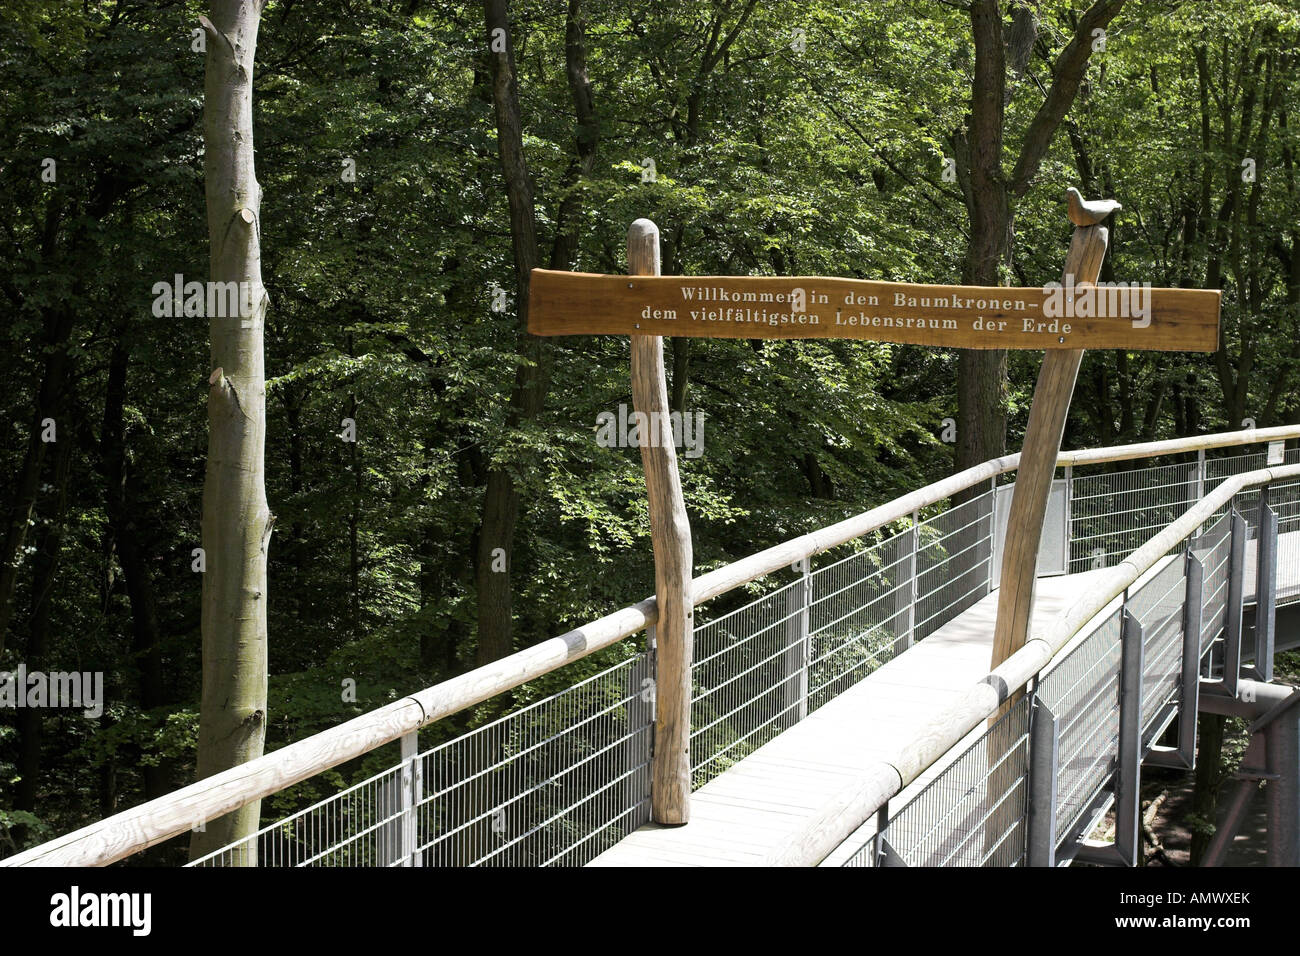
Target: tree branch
x,y
1068,72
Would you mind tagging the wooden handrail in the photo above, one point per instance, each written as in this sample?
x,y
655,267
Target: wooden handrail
x,y
116,837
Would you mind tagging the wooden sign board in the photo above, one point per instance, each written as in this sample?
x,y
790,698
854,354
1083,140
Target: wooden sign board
x,y
1120,316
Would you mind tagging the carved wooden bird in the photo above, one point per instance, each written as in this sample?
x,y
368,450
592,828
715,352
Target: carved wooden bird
x,y
1084,213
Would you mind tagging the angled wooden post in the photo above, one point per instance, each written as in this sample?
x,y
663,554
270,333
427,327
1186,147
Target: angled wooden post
x,y
1043,439
1034,479
670,534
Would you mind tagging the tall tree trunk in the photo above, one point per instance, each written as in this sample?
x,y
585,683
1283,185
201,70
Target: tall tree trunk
x,y
991,192
982,375
236,520
122,505
494,558
354,522
58,328
45,564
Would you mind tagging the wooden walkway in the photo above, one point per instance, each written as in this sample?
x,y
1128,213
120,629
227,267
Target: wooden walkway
x,y
746,812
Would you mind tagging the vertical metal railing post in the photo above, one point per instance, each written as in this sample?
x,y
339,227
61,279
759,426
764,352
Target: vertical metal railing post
x,y
995,545
1128,774
1200,474
1128,782
1236,601
1069,514
1044,768
652,653
412,794
1183,756
1265,589
1190,693
912,562
905,589
639,692
798,654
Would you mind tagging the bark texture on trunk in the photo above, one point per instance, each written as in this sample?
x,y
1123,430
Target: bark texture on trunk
x,y
494,549
236,520
991,192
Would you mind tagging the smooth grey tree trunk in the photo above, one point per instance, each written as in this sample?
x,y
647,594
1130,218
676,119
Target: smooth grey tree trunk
x,y
236,520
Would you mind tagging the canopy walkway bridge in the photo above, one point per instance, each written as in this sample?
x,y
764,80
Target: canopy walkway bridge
x,y
843,711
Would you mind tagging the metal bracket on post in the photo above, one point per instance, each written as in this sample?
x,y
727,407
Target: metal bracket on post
x,y
1265,590
1044,767
1236,600
1183,756
412,794
1128,775
883,853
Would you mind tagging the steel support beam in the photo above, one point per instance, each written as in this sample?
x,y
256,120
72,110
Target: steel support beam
x,y
1128,804
885,855
1245,786
1282,793
1044,768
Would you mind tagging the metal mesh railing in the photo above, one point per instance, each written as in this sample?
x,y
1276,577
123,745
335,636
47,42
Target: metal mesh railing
x,y
357,826
1114,513
954,562
1083,691
858,616
561,779
1214,549
1284,499
1158,607
750,678
556,782
973,812
761,668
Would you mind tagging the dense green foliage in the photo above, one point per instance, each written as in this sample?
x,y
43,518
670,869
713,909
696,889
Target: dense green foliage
x,y
823,161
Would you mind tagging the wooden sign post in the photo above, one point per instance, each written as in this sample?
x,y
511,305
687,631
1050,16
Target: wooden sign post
x,y
670,536
1042,446
1060,318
